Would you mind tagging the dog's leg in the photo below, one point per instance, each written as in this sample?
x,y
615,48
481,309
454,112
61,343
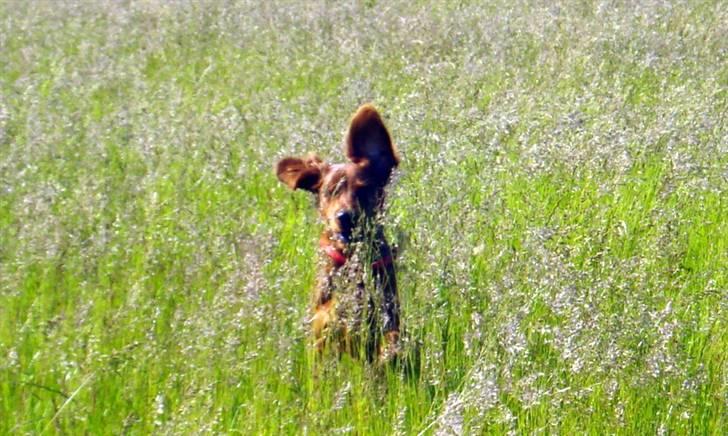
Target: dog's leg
x,y
386,283
373,332
390,313
321,320
323,315
351,334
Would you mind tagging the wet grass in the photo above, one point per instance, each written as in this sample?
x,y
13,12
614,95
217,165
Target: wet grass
x,y
560,211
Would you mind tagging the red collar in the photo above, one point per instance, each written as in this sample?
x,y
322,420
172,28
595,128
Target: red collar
x,y
382,263
336,255
339,259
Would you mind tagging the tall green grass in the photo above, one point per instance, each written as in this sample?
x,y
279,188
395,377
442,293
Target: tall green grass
x,y
560,212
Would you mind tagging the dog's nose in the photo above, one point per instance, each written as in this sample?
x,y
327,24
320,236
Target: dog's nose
x,y
346,223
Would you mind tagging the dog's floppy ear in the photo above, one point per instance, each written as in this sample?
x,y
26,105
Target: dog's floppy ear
x,y
300,173
369,145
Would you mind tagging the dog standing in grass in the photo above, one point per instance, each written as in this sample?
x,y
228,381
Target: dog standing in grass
x,y
358,280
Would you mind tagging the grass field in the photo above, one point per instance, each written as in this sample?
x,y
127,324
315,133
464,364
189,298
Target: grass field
x,y
561,213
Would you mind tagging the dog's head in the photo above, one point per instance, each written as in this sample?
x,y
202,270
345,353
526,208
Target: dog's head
x,y
347,193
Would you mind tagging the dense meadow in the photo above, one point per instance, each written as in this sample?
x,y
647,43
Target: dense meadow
x,y
561,215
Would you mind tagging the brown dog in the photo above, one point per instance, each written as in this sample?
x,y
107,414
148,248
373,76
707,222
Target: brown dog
x,y
357,256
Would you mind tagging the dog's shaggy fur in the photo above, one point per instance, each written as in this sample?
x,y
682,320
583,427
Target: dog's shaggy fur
x,y
358,281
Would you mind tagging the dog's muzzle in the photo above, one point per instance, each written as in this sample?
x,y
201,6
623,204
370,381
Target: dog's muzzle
x,y
346,225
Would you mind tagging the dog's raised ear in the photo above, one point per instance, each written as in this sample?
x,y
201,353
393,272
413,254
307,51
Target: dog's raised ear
x,y
369,145
299,173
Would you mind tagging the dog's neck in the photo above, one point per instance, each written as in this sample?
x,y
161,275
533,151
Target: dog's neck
x,y
381,259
